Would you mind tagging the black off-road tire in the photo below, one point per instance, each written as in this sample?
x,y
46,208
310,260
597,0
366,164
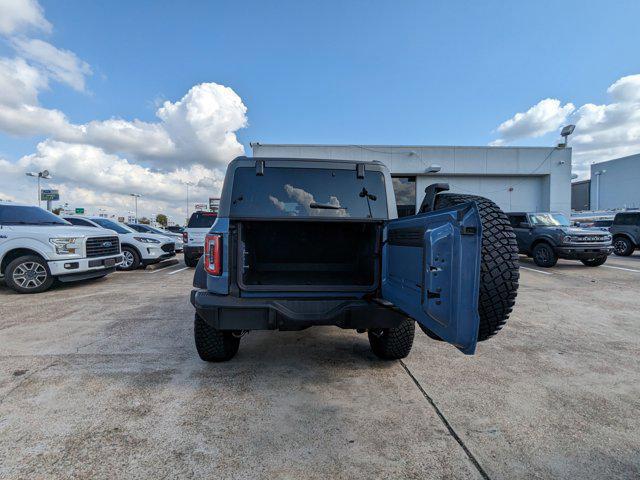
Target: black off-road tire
x,y
214,345
499,268
622,246
594,262
191,261
393,343
544,256
18,278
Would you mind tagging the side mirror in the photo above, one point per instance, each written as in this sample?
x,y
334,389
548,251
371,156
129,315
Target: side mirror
x,y
525,225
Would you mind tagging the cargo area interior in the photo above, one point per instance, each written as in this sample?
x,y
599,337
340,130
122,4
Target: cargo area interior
x,y
321,254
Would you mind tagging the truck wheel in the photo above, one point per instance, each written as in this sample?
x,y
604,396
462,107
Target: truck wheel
x,y
594,262
499,271
214,345
622,246
544,256
393,343
190,261
131,259
28,274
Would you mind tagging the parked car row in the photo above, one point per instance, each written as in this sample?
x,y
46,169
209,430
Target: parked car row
x,y
38,247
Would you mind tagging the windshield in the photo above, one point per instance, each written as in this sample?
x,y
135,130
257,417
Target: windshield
x,y
308,192
202,220
111,225
157,230
25,215
549,220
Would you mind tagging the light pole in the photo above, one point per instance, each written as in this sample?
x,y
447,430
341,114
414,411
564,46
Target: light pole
x,y
188,184
136,196
598,174
43,174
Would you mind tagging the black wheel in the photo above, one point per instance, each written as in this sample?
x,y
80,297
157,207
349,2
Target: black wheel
x,y
28,274
191,261
594,262
499,271
622,246
131,259
393,343
214,345
544,256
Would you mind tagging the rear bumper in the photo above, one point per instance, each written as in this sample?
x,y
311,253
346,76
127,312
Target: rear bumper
x,y
583,252
190,251
225,312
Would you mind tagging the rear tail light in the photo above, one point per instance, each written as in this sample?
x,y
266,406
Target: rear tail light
x,y
213,254
185,237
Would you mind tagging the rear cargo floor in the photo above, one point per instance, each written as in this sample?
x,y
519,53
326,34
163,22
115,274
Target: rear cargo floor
x,y
309,253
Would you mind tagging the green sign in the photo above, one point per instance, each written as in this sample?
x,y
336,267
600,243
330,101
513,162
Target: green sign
x,y
79,211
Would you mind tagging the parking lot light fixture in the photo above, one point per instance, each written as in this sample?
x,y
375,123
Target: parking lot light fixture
x,y
43,174
136,196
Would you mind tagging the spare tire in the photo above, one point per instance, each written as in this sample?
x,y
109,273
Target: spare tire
x,y
499,271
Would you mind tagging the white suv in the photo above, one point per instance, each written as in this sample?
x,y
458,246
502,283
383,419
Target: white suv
x,y
37,247
193,236
138,249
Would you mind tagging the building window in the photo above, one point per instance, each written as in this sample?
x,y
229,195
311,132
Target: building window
x,y
405,190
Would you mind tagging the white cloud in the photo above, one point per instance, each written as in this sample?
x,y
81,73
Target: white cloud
x,y
603,131
19,15
20,83
61,65
544,117
98,163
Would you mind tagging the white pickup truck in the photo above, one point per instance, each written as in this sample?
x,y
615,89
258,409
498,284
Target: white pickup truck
x,y
37,247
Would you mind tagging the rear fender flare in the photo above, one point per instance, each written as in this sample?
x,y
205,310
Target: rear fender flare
x,y
200,275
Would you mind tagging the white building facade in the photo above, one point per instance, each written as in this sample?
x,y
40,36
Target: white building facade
x,y
616,183
516,178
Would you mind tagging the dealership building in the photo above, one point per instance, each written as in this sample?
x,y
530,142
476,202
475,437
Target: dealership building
x,y
516,178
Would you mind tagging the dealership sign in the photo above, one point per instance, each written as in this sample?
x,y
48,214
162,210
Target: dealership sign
x,y
46,194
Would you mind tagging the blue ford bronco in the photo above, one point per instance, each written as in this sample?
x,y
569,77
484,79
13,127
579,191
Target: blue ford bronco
x,y
307,242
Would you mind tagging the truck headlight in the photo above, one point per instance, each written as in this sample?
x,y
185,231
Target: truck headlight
x,y
65,246
566,239
146,240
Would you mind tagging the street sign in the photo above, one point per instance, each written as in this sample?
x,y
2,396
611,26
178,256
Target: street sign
x,y
121,219
79,211
214,203
200,206
46,194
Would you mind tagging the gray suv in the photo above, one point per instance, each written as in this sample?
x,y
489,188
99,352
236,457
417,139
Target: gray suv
x,y
547,236
626,233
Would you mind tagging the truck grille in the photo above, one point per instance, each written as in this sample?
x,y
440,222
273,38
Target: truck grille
x,y
168,247
101,246
590,239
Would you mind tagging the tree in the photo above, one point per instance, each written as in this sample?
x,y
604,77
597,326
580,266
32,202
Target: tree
x,y
162,219
144,220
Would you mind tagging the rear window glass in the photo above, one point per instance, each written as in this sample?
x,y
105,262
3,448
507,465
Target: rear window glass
x,y
202,220
627,219
308,192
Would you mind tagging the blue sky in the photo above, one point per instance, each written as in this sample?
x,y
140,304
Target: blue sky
x,y
406,72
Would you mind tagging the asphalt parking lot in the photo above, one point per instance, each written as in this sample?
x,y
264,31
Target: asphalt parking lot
x,y
101,380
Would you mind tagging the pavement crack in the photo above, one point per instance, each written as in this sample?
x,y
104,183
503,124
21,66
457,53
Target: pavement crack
x,y
446,423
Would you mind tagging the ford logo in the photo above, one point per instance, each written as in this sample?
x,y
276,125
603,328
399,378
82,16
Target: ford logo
x,y
107,244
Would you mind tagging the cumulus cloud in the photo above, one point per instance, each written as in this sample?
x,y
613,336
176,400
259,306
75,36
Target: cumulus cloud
x,y
603,131
544,117
61,65
100,162
20,15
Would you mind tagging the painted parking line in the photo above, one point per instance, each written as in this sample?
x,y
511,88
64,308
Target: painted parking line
x,y
176,271
535,270
621,268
